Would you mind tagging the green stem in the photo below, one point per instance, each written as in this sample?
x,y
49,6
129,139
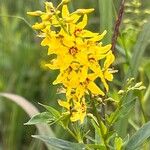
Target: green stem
x,y
72,133
141,98
142,109
99,122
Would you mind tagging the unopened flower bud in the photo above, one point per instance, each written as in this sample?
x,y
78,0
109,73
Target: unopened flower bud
x,y
142,88
121,92
46,17
68,20
35,13
38,26
49,4
84,11
138,84
65,1
49,7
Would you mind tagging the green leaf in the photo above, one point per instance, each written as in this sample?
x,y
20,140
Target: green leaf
x,y
139,137
118,143
138,51
61,119
65,145
31,110
65,120
96,146
126,108
98,134
59,143
53,111
106,13
123,111
44,117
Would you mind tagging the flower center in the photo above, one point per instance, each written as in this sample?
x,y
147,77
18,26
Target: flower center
x,y
73,50
91,59
77,32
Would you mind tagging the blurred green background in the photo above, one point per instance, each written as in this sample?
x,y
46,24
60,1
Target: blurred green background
x,y
22,60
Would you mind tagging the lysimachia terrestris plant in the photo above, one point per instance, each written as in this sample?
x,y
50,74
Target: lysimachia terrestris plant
x,y
84,65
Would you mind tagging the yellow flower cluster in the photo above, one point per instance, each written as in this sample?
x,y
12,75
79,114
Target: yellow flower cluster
x,y
77,53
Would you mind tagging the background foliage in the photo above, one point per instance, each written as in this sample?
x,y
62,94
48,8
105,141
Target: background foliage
x,y
22,71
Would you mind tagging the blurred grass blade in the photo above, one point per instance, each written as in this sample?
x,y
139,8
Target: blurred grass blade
x,y
139,49
31,110
20,18
106,17
139,137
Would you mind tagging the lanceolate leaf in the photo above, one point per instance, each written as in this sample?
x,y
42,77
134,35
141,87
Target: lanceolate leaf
x,y
65,145
106,13
59,143
44,117
138,50
139,137
53,111
122,112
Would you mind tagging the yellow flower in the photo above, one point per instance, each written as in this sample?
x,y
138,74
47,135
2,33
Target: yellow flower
x,y
67,17
76,109
78,112
107,72
89,85
77,30
77,53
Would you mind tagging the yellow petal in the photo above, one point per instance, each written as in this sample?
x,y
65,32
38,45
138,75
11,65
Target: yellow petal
x,y
87,33
99,73
98,37
74,80
83,23
59,79
108,75
68,41
84,72
74,17
45,41
80,91
109,60
104,49
38,26
65,11
95,89
64,104
46,17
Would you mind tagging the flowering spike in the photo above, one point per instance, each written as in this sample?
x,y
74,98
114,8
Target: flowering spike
x,y
78,52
